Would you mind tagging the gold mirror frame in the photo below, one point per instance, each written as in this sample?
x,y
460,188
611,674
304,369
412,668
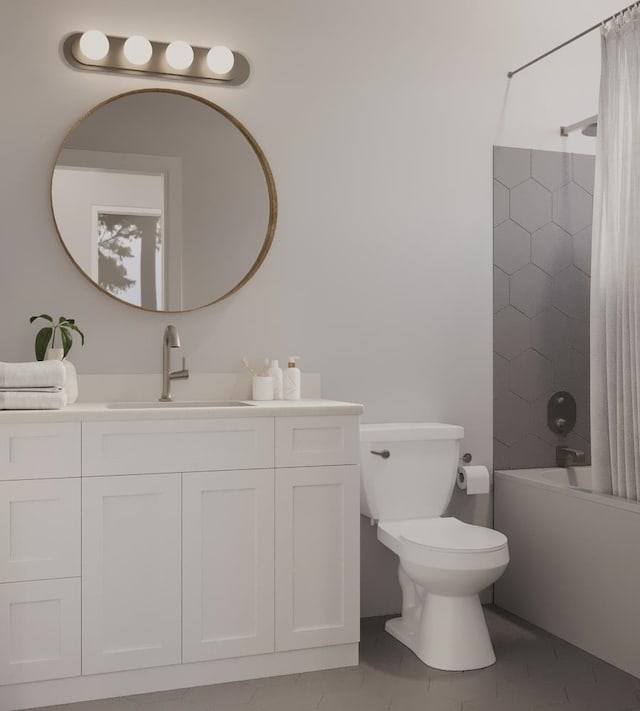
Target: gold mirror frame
x,y
268,175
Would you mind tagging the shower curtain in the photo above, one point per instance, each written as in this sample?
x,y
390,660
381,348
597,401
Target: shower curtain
x,y
615,277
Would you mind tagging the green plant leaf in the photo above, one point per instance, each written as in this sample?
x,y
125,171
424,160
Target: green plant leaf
x,y
75,328
45,316
42,341
67,340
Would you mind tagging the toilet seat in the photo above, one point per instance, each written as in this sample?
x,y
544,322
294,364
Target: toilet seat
x,y
445,543
452,536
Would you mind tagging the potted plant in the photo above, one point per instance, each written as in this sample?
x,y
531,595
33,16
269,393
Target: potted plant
x,y
45,347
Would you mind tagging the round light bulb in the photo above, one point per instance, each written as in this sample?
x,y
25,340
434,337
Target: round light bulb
x,y
220,60
179,55
94,44
138,50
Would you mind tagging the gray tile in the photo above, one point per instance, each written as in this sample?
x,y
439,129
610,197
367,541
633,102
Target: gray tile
x,y
570,292
572,208
500,705
500,203
511,166
510,419
221,696
501,458
582,250
584,170
510,333
156,696
530,375
327,680
551,248
289,697
579,329
417,703
531,451
62,707
511,247
119,704
534,692
571,372
359,700
550,332
500,376
500,290
465,686
551,168
174,705
530,205
601,697
530,290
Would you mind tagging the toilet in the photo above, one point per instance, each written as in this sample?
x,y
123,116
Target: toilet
x,y
408,472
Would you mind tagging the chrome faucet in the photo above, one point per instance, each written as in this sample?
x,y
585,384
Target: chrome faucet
x,y
568,457
171,340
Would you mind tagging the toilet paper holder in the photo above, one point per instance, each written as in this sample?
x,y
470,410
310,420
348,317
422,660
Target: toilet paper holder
x,y
466,457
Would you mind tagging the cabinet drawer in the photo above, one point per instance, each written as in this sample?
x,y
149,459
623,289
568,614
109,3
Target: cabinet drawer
x,y
40,451
39,630
39,529
317,441
176,446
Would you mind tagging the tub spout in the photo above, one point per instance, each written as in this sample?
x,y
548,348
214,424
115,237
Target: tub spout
x,y
568,457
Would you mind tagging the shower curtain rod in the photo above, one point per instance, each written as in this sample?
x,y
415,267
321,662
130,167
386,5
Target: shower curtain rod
x,y
573,39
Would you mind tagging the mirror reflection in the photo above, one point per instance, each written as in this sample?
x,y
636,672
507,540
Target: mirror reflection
x,y
163,200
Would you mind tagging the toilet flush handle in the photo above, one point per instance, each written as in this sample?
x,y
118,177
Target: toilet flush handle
x,y
384,453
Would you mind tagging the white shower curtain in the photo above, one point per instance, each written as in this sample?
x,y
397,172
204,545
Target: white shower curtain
x,y
615,276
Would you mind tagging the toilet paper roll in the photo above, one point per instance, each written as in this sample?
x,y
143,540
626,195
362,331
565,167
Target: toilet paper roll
x,y
474,479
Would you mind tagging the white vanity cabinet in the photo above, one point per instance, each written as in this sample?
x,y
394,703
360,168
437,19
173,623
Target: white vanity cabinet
x,y
165,552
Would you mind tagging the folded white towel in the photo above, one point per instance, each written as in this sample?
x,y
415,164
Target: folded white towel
x,y
18,400
39,374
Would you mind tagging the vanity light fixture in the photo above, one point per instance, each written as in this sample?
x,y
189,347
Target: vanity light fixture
x,y
136,54
138,50
94,45
179,54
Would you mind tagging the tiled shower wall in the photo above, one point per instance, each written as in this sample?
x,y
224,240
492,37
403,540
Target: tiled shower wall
x,y
542,256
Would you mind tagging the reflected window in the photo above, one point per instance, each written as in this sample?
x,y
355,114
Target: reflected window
x,y
130,256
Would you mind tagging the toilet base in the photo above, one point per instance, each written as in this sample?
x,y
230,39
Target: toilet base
x,y
448,633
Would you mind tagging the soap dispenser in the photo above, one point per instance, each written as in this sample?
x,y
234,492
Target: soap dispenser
x,y
276,373
291,380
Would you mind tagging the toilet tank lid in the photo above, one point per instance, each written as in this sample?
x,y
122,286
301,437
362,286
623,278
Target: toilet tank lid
x,y
407,431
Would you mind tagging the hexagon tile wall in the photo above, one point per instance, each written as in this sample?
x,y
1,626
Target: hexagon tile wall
x,y
542,204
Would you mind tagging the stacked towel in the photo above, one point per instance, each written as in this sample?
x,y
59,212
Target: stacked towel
x,y
32,386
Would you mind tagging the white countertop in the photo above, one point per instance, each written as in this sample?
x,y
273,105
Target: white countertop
x,y
103,411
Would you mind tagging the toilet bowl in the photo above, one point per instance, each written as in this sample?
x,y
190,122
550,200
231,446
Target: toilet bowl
x,y
408,474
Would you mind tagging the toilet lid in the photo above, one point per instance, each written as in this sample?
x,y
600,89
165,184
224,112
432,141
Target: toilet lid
x,y
449,534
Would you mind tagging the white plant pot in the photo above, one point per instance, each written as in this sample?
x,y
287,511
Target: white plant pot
x,y
71,381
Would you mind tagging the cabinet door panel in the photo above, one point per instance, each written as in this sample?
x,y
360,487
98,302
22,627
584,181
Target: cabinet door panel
x,y
41,529
317,441
131,565
228,564
317,556
39,630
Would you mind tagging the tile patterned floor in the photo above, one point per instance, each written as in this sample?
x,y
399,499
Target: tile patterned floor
x,y
534,672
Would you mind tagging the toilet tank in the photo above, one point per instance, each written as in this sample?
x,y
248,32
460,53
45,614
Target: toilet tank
x,y
416,480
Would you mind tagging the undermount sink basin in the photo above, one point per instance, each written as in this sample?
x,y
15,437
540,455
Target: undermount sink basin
x,y
162,405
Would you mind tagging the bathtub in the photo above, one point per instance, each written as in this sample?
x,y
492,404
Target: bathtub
x,y
575,560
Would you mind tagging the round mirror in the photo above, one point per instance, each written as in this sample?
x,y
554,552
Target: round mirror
x,y
163,200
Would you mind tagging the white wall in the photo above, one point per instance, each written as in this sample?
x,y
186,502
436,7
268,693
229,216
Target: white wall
x,y
378,120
